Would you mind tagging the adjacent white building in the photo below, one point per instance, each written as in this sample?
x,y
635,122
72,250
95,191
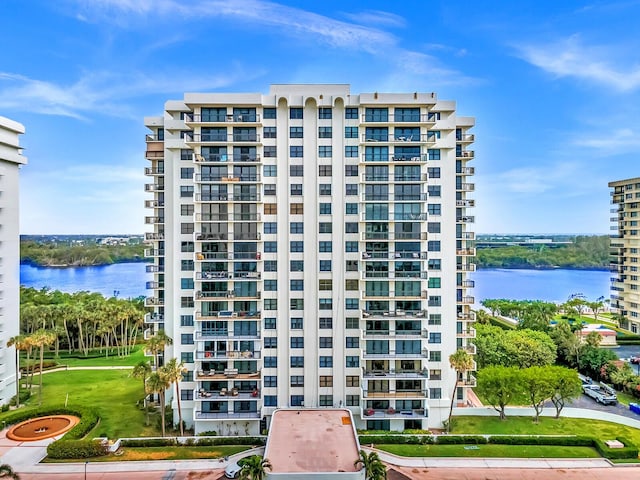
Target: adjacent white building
x,y
310,248
10,160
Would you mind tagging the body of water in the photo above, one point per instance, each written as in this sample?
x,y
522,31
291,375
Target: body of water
x,y
128,279
124,280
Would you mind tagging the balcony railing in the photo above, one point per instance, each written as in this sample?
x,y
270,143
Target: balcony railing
x,y
153,318
150,252
393,255
222,334
422,333
230,178
154,187
465,154
466,236
405,118
466,138
154,268
465,203
395,138
231,118
393,314
467,219
424,353
396,394
226,158
364,275
225,138
390,177
153,302
468,333
466,267
153,236
466,187
228,197
389,413
206,355
365,158
153,171
225,415
391,373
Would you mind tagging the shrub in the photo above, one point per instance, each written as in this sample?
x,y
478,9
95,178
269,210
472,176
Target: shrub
x,y
231,441
461,440
149,442
209,433
541,440
76,449
629,450
5,407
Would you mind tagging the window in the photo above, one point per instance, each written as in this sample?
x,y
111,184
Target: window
x,y
435,393
270,381
435,356
186,191
269,151
270,208
433,245
296,285
351,284
186,228
270,323
434,209
296,303
186,154
296,266
325,227
376,114
351,304
295,132
351,189
433,153
296,170
353,342
434,282
296,227
270,303
271,285
351,265
297,400
351,151
186,302
325,170
325,132
296,362
296,208
186,265
325,322
269,113
351,112
326,380
352,400
271,342
351,208
325,209
271,362
326,400
325,246
188,376
325,284
186,320
352,323
270,247
270,170
433,172
186,338
297,323
270,400
325,303
326,362
296,246
350,132
435,301
350,170
435,319
433,227
186,210
295,112
326,342
297,381
434,190
350,246
434,264
351,227
352,361
186,283
353,381
295,151
186,357
269,132
187,246
435,337
324,112
296,189
270,227
270,266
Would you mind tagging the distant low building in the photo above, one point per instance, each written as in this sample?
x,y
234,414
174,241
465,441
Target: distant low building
x,y
607,336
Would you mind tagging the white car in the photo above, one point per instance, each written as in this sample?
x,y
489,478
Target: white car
x,y
232,470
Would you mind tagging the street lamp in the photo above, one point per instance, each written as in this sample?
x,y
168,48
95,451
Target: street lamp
x,y
85,470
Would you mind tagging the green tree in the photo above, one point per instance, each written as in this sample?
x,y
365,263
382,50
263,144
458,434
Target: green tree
x,y
567,341
20,343
373,467
42,338
142,371
565,385
157,383
499,385
528,348
462,362
255,468
593,359
173,372
538,386
157,344
7,472
489,342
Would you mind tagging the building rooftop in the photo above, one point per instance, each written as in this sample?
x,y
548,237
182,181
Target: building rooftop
x,y
312,441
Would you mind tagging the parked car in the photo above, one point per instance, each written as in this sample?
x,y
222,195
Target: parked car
x,y
635,359
232,470
600,395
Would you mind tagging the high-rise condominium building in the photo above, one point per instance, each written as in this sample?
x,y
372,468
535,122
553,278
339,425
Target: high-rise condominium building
x,y
311,248
10,160
625,252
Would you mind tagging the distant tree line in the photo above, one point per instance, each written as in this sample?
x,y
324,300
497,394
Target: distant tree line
x,y
586,252
47,254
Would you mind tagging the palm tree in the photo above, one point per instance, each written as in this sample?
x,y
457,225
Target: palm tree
x,y
157,343
7,472
42,338
461,361
374,469
173,372
20,343
255,468
142,370
157,383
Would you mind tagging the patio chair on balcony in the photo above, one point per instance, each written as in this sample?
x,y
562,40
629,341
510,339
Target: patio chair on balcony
x,y
223,392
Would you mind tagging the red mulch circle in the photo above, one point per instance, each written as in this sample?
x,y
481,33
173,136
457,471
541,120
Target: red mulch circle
x,y
42,427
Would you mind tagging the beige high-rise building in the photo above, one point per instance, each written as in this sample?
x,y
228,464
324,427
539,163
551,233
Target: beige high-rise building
x,y
310,249
625,252
11,159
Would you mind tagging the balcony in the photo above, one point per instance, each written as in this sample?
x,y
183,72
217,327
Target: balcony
x,y
226,375
467,219
380,334
395,236
226,158
199,236
393,138
222,138
468,333
465,138
196,118
199,415
408,118
390,177
153,318
154,187
228,314
467,284
233,394
466,171
365,275
154,171
465,236
210,178
225,334
154,285
392,373
154,268
392,294
364,158
466,187
465,203
228,197
390,413
395,394
466,267
470,252
154,203
153,302
424,353
150,252
471,317
226,355
153,220
393,314
228,217
465,154
469,381
153,236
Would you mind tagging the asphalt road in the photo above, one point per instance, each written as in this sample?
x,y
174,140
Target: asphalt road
x,y
587,402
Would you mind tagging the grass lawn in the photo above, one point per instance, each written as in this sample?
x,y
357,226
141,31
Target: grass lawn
x,y
506,451
165,453
547,426
100,361
113,393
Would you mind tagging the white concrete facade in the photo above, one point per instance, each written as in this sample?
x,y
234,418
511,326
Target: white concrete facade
x,y
310,249
625,252
10,160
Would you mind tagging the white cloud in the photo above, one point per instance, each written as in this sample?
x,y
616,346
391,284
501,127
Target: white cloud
x,y
571,58
613,141
377,17
537,179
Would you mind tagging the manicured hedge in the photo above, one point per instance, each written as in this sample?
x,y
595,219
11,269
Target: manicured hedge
x,y
231,441
172,441
461,440
629,450
149,442
542,440
76,449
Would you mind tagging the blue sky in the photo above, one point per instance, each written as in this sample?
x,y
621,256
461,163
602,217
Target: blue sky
x,y
554,87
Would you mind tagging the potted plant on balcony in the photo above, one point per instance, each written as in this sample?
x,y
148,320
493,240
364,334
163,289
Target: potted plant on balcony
x,y
391,411
368,412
